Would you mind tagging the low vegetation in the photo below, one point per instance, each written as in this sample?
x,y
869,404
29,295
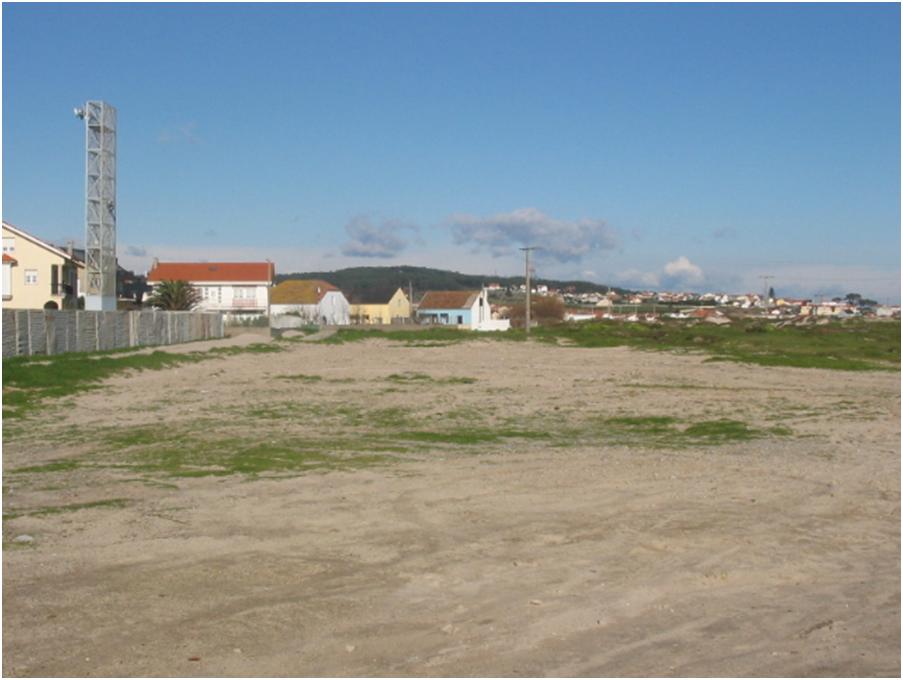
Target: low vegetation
x,y
321,436
27,381
437,335
424,378
849,345
72,507
669,432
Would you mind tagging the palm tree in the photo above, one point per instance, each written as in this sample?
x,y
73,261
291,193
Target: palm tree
x,y
174,296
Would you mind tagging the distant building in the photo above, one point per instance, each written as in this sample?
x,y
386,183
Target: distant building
x,y
38,275
462,308
231,287
315,301
379,307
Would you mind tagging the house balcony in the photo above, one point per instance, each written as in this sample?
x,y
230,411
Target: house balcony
x,y
239,305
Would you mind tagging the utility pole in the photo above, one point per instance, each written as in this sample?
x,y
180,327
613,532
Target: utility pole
x,y
765,298
527,250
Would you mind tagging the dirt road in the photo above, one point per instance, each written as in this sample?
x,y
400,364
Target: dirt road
x,y
585,532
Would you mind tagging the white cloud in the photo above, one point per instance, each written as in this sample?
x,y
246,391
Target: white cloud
x,y
635,278
682,270
559,240
382,241
676,274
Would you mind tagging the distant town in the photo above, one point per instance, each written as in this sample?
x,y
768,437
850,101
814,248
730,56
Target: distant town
x,y
40,275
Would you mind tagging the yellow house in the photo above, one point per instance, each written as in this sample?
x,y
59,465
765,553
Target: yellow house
x,y
37,275
380,307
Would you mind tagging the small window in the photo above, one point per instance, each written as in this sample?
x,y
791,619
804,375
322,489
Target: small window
x,y
31,277
9,245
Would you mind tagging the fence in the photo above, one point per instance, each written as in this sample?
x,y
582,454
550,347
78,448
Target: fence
x,y
46,331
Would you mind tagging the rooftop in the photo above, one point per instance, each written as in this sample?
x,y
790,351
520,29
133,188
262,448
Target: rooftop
x,y
213,271
300,292
449,299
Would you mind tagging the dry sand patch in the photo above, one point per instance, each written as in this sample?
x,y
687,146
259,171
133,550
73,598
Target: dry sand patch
x,y
556,524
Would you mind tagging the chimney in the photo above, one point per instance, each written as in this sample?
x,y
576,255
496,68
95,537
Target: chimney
x,y
154,264
70,248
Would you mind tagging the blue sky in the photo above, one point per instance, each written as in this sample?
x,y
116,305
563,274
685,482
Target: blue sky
x,y
662,146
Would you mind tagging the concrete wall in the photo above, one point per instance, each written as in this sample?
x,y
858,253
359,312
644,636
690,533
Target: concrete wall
x,y
39,331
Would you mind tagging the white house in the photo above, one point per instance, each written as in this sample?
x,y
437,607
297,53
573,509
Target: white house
x,y
463,308
233,287
314,301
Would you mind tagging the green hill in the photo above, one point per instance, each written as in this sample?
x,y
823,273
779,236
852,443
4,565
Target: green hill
x,y
354,279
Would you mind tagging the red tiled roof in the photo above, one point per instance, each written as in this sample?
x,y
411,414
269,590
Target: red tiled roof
x,y
448,299
212,271
7,259
300,292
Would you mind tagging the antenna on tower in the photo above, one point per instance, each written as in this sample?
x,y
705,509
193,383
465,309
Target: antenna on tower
x,y
100,205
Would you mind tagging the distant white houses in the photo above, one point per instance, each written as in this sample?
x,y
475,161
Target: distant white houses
x,y
462,308
313,300
240,288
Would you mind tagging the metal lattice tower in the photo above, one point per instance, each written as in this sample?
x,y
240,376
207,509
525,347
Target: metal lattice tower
x,y
100,205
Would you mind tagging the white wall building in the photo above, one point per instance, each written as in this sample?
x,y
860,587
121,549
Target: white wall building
x,y
314,301
231,287
463,308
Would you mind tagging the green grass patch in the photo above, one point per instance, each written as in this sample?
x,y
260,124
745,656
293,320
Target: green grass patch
x,y
73,507
254,348
53,466
424,378
27,381
853,345
669,432
435,336
230,457
469,437
301,377
720,431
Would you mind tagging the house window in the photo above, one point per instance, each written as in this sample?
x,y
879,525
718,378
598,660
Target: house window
x,y
7,281
443,318
210,293
31,277
9,245
460,319
244,293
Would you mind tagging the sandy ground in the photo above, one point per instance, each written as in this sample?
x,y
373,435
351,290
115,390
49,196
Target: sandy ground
x,y
773,557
